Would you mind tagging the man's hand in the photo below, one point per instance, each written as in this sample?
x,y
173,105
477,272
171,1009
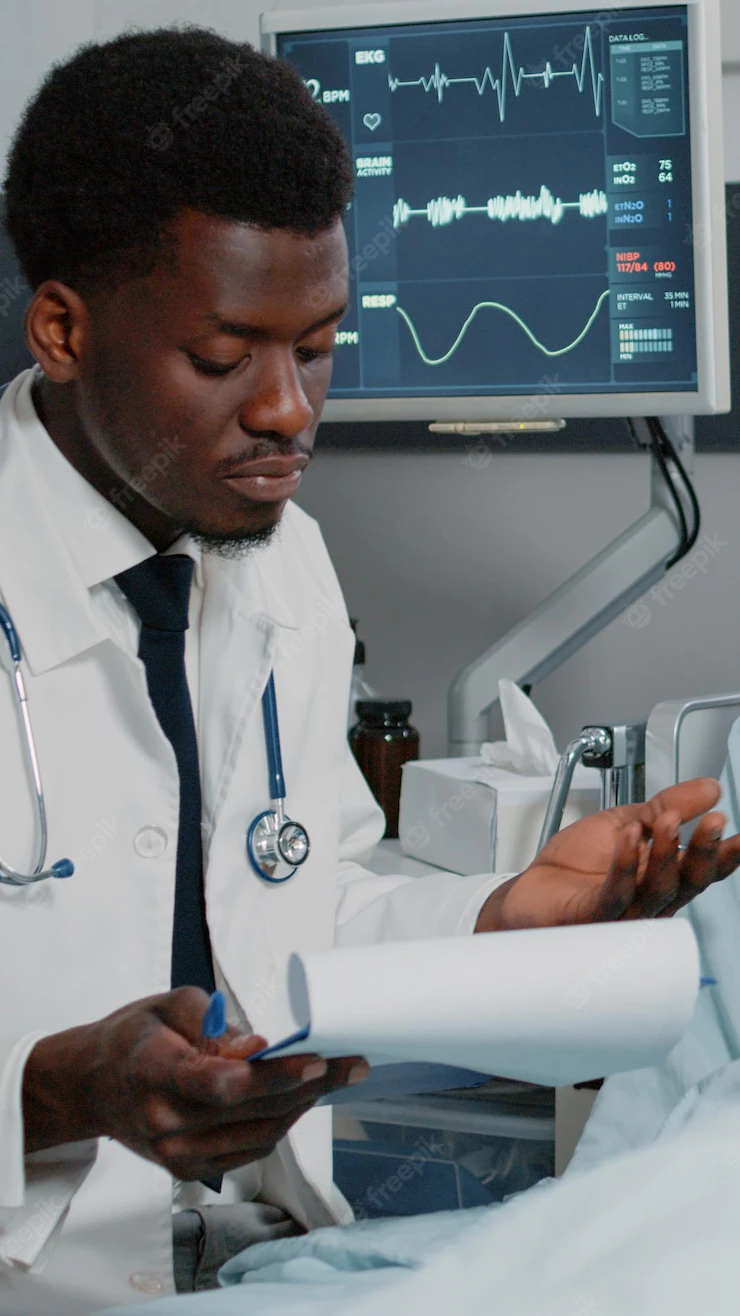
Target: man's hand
x,y
623,863
145,1077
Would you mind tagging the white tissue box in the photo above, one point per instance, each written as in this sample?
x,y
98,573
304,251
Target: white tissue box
x,y
468,826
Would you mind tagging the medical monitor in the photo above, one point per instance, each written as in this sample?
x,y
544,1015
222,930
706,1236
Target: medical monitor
x,y
538,221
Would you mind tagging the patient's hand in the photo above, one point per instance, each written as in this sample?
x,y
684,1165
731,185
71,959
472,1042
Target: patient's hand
x,y
145,1077
623,863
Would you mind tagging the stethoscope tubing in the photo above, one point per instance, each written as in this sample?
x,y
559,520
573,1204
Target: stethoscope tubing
x,y
63,867
268,829
273,819
272,741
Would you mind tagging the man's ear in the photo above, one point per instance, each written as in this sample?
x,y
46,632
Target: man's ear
x,y
56,324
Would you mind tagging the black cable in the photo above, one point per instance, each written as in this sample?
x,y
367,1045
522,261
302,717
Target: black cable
x,y
673,456
666,456
659,454
637,441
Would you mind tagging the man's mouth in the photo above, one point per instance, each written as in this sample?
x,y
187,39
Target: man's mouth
x,y
269,479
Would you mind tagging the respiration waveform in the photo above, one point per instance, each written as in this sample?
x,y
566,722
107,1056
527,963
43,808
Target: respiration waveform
x,y
586,76
443,210
507,310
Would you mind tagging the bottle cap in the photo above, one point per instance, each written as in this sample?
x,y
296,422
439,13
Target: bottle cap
x,y
383,710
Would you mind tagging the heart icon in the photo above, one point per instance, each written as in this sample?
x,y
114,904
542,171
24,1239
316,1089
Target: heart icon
x,y
372,121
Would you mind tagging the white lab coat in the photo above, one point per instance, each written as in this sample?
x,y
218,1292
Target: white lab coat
x,y
72,952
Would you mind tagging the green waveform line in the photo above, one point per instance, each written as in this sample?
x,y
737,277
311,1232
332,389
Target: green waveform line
x,y
499,306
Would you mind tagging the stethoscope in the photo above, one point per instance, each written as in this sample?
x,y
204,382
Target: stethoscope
x,y
276,845
63,867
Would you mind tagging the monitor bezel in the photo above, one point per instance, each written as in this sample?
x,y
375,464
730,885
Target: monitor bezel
x,y
713,392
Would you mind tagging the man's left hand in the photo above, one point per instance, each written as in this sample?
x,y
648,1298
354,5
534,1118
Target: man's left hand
x,y
623,863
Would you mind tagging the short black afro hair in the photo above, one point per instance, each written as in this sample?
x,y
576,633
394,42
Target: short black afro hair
x,y
128,134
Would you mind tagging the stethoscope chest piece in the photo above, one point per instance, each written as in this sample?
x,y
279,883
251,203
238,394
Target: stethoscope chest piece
x,y
277,846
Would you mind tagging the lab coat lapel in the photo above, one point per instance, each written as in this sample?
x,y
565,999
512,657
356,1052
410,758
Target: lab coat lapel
x,y
240,623
243,610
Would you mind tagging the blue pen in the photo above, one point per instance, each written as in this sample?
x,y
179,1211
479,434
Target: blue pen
x,y
214,1020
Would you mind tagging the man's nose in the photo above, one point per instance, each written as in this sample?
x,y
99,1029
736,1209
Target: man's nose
x,y
277,401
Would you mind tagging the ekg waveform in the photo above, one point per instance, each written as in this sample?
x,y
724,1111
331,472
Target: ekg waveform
x,y
586,76
443,210
507,310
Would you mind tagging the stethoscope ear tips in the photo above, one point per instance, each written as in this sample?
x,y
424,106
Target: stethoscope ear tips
x,y
63,868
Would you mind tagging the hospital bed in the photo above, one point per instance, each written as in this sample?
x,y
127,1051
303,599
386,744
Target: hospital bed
x,y
683,738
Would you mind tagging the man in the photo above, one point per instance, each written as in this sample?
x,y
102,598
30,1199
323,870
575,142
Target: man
x,y
176,202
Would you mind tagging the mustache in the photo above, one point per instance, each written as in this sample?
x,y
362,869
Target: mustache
x,y
261,449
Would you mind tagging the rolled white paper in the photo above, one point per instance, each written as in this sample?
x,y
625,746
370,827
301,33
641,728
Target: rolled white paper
x,y
552,1006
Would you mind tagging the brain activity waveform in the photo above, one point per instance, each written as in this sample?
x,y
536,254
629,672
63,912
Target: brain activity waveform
x,y
443,210
514,77
506,310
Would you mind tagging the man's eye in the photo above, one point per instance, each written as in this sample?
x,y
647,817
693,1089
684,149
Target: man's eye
x,y
309,354
210,367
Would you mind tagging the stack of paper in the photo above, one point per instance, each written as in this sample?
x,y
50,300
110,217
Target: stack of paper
x,y
552,1006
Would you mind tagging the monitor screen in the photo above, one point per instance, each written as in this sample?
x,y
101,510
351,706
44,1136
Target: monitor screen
x,y
523,213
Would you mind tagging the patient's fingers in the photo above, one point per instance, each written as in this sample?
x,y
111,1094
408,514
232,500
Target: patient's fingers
x,y
690,799
707,859
618,890
729,857
660,882
668,879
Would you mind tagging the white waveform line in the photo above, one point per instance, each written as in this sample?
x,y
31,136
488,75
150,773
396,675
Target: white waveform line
x,y
507,310
439,81
443,210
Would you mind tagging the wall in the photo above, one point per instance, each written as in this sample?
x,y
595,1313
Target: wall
x,y
438,556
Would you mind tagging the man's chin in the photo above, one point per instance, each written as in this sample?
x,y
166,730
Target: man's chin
x,y
233,544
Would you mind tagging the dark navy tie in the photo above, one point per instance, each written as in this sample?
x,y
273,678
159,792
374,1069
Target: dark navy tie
x,y
159,590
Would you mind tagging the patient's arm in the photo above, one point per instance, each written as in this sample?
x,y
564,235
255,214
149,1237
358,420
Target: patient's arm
x,y
624,863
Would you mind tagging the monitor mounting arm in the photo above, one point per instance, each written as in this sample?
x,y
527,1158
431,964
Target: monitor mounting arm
x,y
575,612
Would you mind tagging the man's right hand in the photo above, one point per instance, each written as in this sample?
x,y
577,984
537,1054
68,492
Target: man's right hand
x,y
145,1077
